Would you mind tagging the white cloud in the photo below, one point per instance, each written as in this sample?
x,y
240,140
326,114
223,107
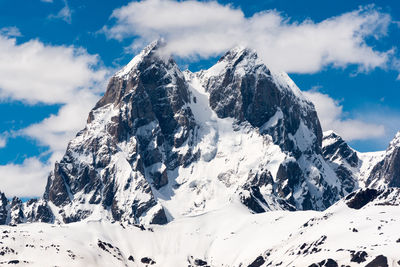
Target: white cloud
x,y
10,31
24,180
3,142
33,72
207,28
56,130
37,73
65,13
396,66
47,1
332,117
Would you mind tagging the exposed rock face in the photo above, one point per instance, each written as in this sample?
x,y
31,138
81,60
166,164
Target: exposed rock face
x,y
325,263
15,211
387,172
380,261
160,138
377,170
127,146
357,200
164,145
37,210
376,197
342,159
3,209
335,148
240,86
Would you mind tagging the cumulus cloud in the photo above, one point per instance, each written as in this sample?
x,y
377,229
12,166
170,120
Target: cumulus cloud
x,y
24,180
203,29
33,72
332,117
37,73
56,130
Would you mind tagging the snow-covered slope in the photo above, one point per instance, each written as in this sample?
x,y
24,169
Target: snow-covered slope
x,y
162,144
214,168
353,232
379,169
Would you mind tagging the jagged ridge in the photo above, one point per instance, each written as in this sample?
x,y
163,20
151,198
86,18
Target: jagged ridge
x,y
162,144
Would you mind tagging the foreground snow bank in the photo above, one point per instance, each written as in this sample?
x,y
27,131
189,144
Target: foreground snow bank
x,y
226,237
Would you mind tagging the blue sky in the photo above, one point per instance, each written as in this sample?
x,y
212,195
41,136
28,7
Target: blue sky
x,y
353,79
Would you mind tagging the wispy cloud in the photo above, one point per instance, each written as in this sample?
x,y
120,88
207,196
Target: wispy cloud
x,y
65,13
3,141
203,29
396,66
10,32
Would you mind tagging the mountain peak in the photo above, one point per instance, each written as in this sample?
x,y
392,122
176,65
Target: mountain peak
x,y
239,52
158,139
151,50
151,65
386,173
331,137
395,143
239,59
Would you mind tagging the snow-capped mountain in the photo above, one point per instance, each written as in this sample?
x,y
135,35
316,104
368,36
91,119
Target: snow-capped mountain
x,y
162,144
361,230
372,169
15,211
222,167
386,173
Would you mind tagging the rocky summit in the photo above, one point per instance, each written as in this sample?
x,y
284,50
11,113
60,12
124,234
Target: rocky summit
x,y
235,132
204,153
162,144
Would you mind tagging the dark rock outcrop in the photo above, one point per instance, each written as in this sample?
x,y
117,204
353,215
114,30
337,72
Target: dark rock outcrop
x,y
336,148
242,87
256,96
37,210
342,159
379,261
359,256
325,263
257,262
377,197
386,173
15,211
3,209
143,131
146,105
359,199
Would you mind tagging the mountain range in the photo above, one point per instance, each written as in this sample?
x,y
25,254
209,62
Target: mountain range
x,y
223,167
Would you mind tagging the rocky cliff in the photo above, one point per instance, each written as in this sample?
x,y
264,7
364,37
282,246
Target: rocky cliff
x,y
163,144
